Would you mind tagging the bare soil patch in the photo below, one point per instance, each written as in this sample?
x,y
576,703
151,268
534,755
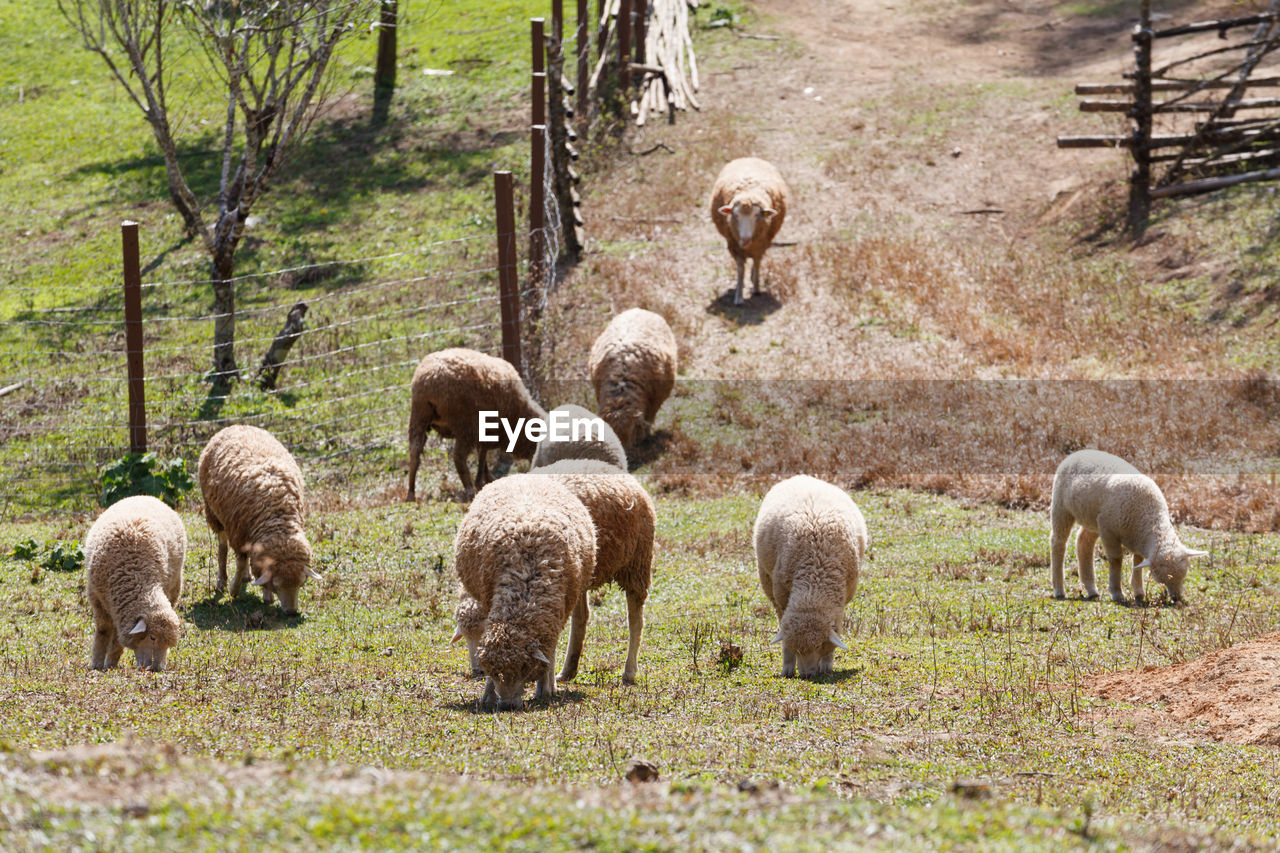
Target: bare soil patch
x,y
1234,692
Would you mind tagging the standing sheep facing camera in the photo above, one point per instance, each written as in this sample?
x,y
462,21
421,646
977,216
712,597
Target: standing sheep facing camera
x,y
624,518
133,558
603,446
254,503
633,369
1113,501
810,539
449,390
524,551
748,205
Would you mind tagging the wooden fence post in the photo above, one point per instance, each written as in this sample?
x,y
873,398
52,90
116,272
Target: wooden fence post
x,y
1140,146
133,337
583,46
641,13
624,48
384,75
508,286
538,240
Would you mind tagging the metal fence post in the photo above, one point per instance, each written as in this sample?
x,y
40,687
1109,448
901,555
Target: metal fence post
x,y
508,286
133,337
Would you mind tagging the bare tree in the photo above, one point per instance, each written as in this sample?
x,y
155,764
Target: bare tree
x,y
270,56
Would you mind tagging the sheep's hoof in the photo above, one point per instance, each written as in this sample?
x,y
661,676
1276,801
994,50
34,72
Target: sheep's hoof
x,y
1090,596
628,678
1059,596
566,676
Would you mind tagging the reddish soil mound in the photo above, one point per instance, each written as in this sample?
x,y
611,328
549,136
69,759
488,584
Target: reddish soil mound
x,y
1235,691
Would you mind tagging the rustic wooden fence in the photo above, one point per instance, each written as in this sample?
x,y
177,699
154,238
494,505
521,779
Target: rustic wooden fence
x,y
1193,128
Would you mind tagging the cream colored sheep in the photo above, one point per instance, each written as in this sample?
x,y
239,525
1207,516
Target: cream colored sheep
x,y
605,447
633,369
1113,501
748,204
624,518
133,558
470,617
810,538
450,388
254,503
525,550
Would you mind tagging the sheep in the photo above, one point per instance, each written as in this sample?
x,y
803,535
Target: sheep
x,y
1113,501
748,205
624,518
606,448
633,369
470,617
810,538
525,550
133,558
450,388
254,503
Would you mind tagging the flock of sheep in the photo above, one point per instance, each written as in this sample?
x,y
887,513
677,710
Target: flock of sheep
x,y
531,546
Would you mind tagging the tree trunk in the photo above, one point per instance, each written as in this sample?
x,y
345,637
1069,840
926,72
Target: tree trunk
x,y
288,335
224,323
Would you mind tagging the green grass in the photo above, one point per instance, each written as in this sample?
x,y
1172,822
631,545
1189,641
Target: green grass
x,y
961,666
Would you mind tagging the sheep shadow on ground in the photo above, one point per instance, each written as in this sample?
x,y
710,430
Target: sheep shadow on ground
x,y
648,449
834,677
242,614
563,697
750,313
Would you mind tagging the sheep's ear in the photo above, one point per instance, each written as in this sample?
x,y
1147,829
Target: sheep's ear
x,y
540,657
1192,552
777,638
1146,561
727,210
836,641
313,574
262,579
769,212
457,635
140,628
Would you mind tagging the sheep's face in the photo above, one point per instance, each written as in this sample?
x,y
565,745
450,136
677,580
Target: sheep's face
x,y
745,218
1171,568
282,570
151,643
811,641
509,668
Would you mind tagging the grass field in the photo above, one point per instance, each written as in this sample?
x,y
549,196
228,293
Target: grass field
x,y
960,719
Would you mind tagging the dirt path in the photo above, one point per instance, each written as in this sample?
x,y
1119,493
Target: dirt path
x,y
888,121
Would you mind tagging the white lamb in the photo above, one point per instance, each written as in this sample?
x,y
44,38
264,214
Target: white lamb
x,y
1113,501
810,538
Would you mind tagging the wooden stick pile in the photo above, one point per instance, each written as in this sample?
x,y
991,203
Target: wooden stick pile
x,y
670,72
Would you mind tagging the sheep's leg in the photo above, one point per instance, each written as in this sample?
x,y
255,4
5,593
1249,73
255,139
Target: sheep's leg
x,y
103,635
1115,556
577,633
417,439
483,476
828,663
473,658
1138,592
242,575
114,651
1061,524
222,564
737,293
460,453
635,621
788,663
1085,541
755,276
546,686
490,696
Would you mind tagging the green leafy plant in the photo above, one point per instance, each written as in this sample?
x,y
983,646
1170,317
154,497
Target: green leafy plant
x,y
145,474
64,557
27,550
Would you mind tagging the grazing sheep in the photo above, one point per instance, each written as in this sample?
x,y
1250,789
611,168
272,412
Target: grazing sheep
x,y
254,503
1113,501
470,617
810,539
450,388
525,551
633,369
624,518
748,204
606,448
133,559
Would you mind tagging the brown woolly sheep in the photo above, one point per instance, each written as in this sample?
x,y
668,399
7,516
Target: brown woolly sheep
x,y
633,369
133,558
254,503
450,388
810,538
606,448
525,550
748,204
624,518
